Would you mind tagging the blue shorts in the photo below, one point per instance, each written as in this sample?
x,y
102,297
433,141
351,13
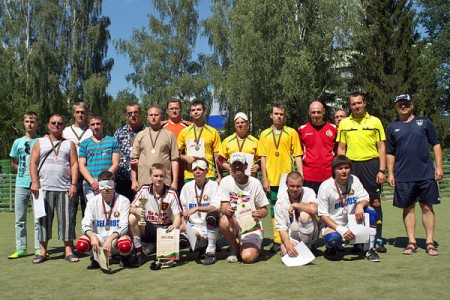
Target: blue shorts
x,y
408,193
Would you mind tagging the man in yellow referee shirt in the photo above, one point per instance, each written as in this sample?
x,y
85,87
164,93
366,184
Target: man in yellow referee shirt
x,y
279,147
361,138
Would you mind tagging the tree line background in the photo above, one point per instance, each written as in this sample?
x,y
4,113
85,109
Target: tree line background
x,y
54,53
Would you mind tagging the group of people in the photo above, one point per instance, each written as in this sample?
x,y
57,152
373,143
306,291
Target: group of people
x,y
173,174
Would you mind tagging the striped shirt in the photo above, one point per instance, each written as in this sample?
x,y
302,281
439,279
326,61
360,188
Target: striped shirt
x,y
98,155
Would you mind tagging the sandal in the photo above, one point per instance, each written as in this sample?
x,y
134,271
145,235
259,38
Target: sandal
x,y
410,249
431,249
39,259
71,258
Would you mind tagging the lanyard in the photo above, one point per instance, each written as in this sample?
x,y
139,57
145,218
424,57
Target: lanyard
x,y
108,215
341,198
197,139
78,137
277,143
241,145
55,149
151,139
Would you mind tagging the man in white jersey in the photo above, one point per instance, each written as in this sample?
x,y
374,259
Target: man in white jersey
x,y
338,197
105,223
200,211
160,208
295,213
54,172
242,199
78,132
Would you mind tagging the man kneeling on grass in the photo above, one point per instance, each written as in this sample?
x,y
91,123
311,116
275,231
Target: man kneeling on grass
x,y
338,197
161,204
243,205
105,222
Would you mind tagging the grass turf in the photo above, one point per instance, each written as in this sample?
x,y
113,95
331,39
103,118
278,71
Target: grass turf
x,y
397,276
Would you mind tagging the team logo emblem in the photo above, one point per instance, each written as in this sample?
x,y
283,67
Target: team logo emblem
x,y
329,133
164,205
419,122
351,192
116,214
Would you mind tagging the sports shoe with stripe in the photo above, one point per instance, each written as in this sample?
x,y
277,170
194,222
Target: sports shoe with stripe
x,y
18,254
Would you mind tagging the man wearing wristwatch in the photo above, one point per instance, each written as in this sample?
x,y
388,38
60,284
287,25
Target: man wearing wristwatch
x,y
361,138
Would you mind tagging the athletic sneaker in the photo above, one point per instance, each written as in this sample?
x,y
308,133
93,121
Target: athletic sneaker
x,y
357,248
275,248
210,260
149,249
380,247
18,254
232,258
94,265
139,259
330,252
372,255
125,261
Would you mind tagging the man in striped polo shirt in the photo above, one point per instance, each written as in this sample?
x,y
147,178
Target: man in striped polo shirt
x,y
97,154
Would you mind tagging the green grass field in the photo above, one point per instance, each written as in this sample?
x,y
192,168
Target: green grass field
x,y
396,277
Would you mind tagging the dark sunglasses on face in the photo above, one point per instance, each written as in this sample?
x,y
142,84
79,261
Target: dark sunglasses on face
x,y
56,123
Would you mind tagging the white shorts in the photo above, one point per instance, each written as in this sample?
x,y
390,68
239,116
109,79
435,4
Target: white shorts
x,y
254,237
102,240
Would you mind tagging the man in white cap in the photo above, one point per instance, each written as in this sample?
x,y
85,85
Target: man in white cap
x,y
411,170
243,205
240,141
200,212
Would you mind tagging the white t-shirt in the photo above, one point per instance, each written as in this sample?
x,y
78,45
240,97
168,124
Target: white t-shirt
x,y
158,211
329,200
188,199
282,216
76,134
96,221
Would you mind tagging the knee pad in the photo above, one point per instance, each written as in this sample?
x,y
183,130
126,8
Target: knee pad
x,y
333,239
83,245
124,246
372,215
212,220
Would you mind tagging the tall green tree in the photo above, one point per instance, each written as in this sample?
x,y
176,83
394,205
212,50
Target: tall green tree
x,y
388,59
162,54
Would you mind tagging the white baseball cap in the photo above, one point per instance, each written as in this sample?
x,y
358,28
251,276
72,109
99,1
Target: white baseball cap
x,y
200,163
241,115
237,156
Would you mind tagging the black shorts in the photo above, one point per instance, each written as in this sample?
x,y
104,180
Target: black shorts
x,y
408,193
367,172
312,185
150,232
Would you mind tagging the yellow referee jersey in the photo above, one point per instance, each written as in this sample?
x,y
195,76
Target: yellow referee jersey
x,y
361,136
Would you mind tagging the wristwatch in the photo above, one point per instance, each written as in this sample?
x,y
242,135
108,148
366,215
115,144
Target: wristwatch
x,y
382,171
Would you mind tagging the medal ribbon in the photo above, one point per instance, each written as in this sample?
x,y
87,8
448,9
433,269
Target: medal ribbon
x,y
151,138
241,145
197,198
297,213
341,199
57,145
197,139
108,215
78,137
277,144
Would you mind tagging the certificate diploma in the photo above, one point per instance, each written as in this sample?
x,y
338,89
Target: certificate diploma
x,y
244,216
194,149
167,244
102,258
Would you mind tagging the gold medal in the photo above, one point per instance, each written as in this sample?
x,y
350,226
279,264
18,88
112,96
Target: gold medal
x,y
277,153
107,228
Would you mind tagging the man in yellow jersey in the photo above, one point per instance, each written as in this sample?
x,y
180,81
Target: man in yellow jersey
x,y
240,141
361,138
279,147
199,140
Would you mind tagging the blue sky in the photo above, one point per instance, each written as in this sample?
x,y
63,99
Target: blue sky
x,y
125,16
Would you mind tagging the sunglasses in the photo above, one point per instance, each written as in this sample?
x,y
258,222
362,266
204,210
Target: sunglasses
x,y
56,123
133,113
